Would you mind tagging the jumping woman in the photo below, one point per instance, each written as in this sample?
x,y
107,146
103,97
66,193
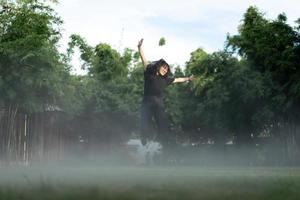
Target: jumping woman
x,y
156,79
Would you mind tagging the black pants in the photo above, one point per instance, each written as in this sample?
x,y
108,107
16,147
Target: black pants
x,y
154,120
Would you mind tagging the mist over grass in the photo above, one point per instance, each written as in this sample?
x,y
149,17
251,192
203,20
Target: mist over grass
x,y
197,173
115,182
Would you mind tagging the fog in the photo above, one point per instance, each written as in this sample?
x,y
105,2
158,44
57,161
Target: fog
x,y
136,162
177,176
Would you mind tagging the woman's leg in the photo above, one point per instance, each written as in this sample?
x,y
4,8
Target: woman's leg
x,y
167,140
163,124
146,123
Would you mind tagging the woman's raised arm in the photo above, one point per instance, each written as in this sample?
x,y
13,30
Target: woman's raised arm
x,y
141,52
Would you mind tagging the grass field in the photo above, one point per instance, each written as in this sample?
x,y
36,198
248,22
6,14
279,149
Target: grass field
x,y
92,183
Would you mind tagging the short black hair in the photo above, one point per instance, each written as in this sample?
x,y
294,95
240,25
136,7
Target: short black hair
x,y
162,62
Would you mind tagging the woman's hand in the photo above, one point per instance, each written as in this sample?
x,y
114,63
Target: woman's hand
x,y
192,77
140,43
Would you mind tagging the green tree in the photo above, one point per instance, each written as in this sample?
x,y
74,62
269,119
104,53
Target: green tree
x,y
271,47
30,61
112,106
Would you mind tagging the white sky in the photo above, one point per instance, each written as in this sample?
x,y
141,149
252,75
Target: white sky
x,y
186,25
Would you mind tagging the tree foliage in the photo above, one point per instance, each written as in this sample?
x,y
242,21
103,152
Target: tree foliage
x,y
30,65
272,48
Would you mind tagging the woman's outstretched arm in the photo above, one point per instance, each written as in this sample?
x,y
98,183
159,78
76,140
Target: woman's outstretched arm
x,y
141,52
184,79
